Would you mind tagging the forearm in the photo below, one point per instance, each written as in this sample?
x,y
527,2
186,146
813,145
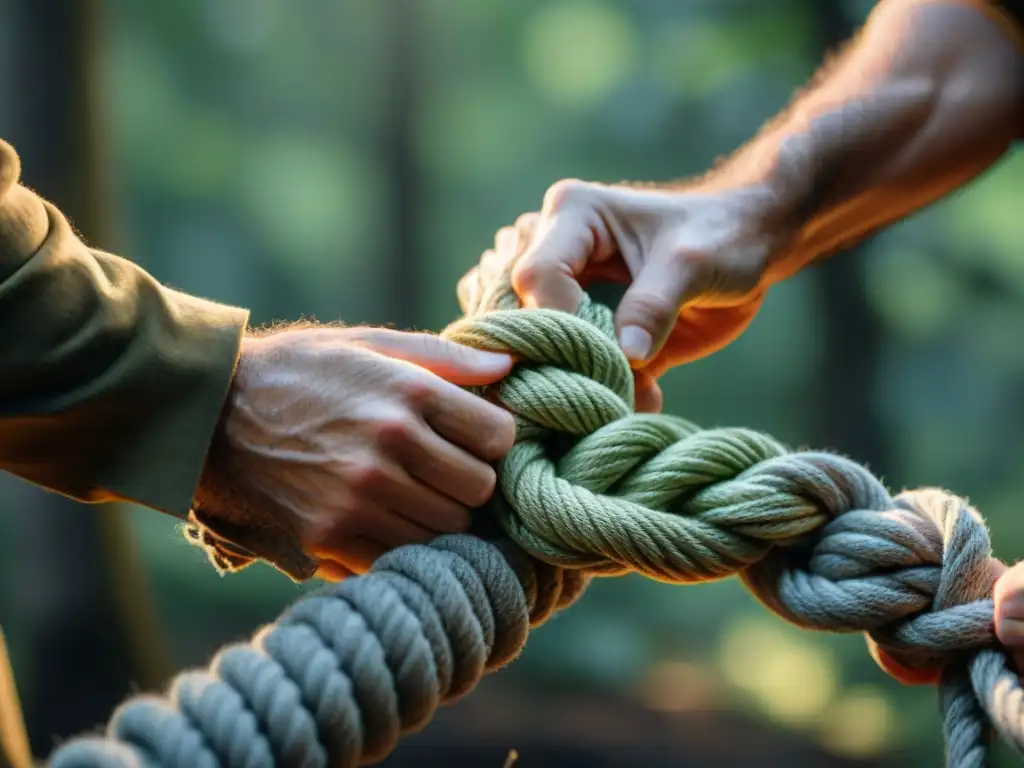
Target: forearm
x,y
110,384
928,97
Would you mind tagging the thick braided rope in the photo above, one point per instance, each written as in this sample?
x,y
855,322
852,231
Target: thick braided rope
x,y
816,537
590,488
336,680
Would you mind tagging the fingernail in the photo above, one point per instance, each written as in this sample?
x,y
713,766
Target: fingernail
x,y
493,360
635,342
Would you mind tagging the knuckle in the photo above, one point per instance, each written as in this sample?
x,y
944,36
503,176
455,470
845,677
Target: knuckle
x,y
454,521
1009,601
367,477
460,521
418,392
489,450
528,275
527,222
393,433
425,343
504,234
335,497
366,336
500,437
450,518
467,281
659,309
691,259
565,191
1009,631
490,265
467,299
749,265
317,535
480,490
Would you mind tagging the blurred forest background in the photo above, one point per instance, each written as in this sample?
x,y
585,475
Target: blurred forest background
x,y
351,159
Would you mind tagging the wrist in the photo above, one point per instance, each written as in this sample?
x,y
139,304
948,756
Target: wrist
x,y
225,451
219,443
233,518
767,217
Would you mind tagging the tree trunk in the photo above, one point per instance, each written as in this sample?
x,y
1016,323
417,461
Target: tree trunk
x,y
853,336
398,122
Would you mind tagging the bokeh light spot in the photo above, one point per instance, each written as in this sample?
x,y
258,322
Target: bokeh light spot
x,y
577,52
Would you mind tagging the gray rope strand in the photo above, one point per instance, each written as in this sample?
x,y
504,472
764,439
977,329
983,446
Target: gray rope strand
x,y
820,541
343,673
915,572
816,537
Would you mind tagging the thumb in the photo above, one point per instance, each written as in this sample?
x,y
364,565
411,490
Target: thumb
x,y
453,362
650,307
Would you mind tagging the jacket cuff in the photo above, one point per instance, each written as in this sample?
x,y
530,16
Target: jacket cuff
x,y
232,547
208,339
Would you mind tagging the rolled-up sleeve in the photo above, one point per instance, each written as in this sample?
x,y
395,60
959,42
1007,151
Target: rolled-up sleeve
x,y
111,385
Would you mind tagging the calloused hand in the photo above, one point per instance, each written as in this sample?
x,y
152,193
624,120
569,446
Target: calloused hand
x,y
361,439
696,263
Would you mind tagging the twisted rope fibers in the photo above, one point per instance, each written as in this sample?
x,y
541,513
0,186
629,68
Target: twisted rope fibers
x,y
342,674
590,488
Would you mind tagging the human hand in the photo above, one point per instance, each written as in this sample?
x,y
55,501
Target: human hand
x,y
696,262
1008,596
358,440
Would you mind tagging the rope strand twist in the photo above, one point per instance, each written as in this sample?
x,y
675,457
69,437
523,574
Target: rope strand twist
x,y
589,489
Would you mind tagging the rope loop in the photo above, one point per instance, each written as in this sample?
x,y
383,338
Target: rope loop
x,y
590,488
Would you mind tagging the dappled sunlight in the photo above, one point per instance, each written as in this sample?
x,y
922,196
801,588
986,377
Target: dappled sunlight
x,y
678,687
859,723
578,51
790,678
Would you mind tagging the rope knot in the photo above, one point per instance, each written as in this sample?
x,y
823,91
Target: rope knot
x,y
592,486
955,572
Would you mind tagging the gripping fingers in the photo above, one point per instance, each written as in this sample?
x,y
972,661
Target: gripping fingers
x,y
347,555
453,362
331,570
470,422
422,509
358,536
420,512
451,471
649,309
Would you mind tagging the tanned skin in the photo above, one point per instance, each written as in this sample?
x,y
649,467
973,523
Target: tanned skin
x,y
924,99
927,96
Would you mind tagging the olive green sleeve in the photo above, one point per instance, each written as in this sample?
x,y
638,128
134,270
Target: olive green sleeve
x,y
111,385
